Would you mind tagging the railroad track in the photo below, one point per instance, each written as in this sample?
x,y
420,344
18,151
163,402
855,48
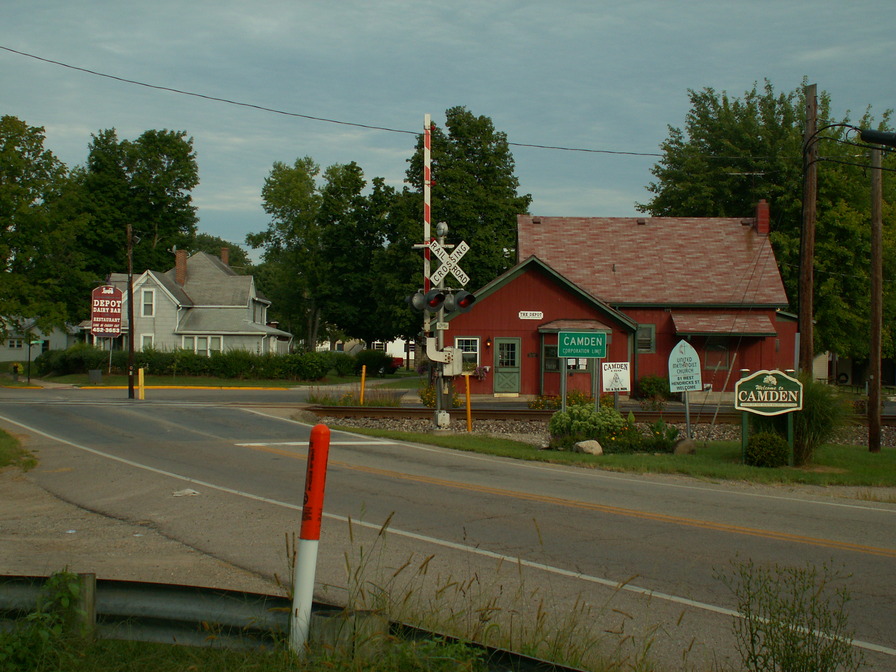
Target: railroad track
x,y
699,415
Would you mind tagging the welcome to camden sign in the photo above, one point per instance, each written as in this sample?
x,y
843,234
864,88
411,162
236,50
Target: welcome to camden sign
x,y
768,393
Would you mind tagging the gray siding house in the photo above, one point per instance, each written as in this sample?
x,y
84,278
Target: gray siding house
x,y
200,305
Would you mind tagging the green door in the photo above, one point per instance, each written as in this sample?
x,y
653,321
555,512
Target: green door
x,y
507,366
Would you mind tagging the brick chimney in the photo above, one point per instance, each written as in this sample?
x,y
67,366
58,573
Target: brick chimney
x,y
225,256
763,218
180,267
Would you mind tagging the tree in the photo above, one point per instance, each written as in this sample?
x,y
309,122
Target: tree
x,y
147,183
735,151
239,258
290,268
41,268
475,192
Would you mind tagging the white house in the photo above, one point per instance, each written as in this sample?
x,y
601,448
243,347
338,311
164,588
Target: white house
x,y
201,305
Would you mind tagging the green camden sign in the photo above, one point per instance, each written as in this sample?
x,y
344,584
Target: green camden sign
x,y
768,393
584,344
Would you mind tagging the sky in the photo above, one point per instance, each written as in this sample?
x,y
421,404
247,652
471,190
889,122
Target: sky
x,y
606,77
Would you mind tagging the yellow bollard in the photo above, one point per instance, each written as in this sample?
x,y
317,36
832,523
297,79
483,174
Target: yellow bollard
x,y
363,377
469,410
141,388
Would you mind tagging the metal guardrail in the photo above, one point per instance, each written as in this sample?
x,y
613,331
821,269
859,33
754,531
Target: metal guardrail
x,y
195,616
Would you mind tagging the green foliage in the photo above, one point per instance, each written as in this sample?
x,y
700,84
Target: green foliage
x,y
661,438
233,364
732,152
377,362
573,398
767,449
341,362
428,396
41,253
475,191
654,387
584,422
824,412
792,618
42,639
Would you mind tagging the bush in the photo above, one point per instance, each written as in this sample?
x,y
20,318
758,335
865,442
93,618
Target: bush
x,y
767,449
654,387
581,422
377,362
342,362
309,365
824,412
661,437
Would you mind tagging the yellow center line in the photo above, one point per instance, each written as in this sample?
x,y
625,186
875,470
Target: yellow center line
x,y
603,508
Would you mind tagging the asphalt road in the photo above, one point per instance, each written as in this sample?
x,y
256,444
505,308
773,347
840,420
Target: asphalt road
x,y
637,556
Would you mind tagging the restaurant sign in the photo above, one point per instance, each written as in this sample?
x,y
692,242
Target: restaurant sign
x,y
768,393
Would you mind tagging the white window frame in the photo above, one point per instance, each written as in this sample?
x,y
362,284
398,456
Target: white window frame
x,y
469,345
147,341
16,343
207,343
152,303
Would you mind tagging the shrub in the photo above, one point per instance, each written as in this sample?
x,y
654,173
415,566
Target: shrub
x,y
309,365
661,437
342,362
767,449
584,422
824,412
376,361
232,364
653,387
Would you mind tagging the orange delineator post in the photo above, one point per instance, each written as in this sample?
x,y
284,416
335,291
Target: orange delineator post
x,y
309,537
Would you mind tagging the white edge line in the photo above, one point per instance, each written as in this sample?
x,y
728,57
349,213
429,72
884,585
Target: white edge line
x,y
675,599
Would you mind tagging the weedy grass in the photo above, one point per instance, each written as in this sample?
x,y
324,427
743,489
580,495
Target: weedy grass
x,y
13,455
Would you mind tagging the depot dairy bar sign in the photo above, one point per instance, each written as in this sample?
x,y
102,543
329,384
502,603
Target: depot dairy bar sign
x,y
105,311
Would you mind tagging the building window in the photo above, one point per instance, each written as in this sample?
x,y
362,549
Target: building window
x,y
551,361
146,341
716,356
379,345
203,345
469,349
16,343
646,338
148,303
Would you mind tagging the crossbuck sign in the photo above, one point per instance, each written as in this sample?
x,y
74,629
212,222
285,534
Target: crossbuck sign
x,y
449,262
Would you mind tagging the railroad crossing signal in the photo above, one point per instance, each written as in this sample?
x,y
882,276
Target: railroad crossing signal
x,y
449,262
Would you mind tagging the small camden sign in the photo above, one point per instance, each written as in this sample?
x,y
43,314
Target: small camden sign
x,y
768,393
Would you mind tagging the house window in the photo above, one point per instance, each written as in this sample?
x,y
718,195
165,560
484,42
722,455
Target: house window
x,y
646,338
203,345
148,303
551,361
716,356
146,341
469,349
379,345
16,343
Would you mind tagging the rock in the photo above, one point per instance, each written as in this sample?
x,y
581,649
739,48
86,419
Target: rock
x,y
685,447
591,447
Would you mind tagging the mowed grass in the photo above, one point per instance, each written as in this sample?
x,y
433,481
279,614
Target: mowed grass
x,y
714,460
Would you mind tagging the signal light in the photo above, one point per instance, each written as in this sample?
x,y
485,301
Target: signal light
x,y
460,302
430,302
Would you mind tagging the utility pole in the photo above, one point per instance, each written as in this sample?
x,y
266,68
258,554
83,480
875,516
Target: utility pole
x,y
877,311
807,236
130,244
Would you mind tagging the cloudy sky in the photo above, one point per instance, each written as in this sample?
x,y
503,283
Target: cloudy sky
x,y
608,77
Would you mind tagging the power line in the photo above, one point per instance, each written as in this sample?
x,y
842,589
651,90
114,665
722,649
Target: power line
x,y
273,110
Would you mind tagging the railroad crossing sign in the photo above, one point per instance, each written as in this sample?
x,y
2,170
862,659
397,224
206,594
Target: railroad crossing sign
x,y
449,262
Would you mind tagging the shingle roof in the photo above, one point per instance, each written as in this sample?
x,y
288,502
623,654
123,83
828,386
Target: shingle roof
x,y
715,322
684,261
210,282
